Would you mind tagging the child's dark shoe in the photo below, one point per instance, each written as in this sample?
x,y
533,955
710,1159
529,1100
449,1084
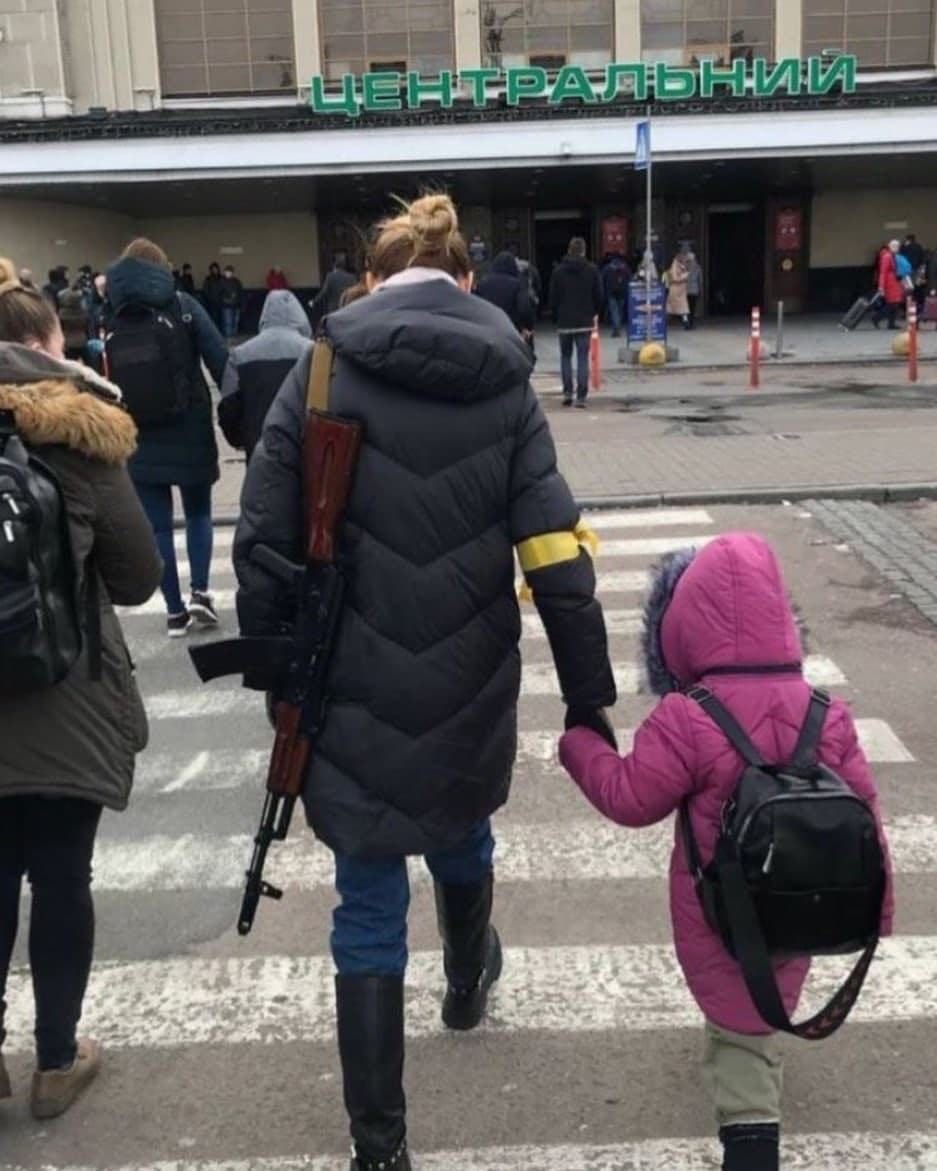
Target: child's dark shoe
x,y
752,1146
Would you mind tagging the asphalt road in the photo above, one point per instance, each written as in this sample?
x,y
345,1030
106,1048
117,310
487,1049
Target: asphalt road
x,y
220,1051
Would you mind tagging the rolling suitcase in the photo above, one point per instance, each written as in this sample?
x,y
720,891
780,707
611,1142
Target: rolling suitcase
x,y
857,311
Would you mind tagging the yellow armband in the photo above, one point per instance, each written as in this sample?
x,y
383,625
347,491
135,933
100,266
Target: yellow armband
x,y
552,549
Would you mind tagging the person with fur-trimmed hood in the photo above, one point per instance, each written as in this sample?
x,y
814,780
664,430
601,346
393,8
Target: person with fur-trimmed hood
x,y
68,751
721,618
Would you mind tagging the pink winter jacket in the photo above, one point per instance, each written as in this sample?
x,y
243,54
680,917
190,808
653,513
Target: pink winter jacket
x,y
729,609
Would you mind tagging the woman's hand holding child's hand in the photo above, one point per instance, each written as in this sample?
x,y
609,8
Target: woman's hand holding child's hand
x,y
595,720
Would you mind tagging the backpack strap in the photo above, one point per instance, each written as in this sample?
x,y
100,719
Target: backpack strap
x,y
751,951
732,730
320,377
808,742
728,725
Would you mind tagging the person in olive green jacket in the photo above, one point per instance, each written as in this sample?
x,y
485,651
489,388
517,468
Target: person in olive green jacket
x,y
68,751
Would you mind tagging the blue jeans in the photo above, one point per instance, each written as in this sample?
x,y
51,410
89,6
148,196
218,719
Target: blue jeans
x,y
617,312
196,503
369,926
579,342
230,319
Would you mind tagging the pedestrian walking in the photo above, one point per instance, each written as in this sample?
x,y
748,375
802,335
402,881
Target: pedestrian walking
x,y
722,619
232,301
212,295
329,297
457,467
166,391
503,286
257,369
58,281
891,293
187,280
616,276
677,280
576,304
75,321
68,740
694,284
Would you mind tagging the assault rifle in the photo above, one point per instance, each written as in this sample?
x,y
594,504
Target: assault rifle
x,y
294,667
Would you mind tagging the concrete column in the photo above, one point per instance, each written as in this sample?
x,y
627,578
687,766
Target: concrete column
x,y
788,28
467,27
307,42
628,30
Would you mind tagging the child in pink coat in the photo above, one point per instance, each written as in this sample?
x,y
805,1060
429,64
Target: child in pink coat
x,y
722,618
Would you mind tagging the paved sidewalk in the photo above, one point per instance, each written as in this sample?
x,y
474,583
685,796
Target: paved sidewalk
x,y
849,436
722,342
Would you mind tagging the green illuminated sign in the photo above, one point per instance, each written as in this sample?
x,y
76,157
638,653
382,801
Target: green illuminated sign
x,y
390,90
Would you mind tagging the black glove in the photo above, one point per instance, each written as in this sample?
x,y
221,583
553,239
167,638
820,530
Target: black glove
x,y
595,720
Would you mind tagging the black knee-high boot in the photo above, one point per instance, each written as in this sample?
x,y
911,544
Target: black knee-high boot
x,y
751,1147
371,1046
471,950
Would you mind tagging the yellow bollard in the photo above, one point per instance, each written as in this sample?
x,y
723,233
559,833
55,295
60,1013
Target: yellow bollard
x,y
901,345
652,354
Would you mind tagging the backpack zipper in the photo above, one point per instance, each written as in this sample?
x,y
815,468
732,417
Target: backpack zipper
x,y
845,796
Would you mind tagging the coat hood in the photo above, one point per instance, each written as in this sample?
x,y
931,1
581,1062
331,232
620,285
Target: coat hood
x,y
720,608
430,338
132,281
506,264
283,311
64,403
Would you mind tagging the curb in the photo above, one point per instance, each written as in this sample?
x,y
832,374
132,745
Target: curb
x,y
876,493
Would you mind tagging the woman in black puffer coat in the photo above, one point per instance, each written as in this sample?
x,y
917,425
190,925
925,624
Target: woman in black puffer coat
x,y
457,468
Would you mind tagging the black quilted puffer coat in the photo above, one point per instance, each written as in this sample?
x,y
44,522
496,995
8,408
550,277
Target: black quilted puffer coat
x,y
458,466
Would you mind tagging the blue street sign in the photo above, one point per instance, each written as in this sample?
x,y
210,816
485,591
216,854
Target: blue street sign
x,y
638,313
642,146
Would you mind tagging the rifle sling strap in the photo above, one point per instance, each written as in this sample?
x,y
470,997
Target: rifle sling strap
x,y
320,377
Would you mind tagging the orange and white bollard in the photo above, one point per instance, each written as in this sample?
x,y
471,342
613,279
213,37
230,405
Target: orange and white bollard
x,y
912,339
754,351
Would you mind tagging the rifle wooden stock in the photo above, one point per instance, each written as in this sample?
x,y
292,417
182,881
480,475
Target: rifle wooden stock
x,y
291,750
330,452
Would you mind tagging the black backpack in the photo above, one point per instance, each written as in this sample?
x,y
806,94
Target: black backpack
x,y
149,354
40,631
798,869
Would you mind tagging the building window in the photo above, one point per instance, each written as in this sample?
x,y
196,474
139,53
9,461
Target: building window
x,y
684,32
361,36
548,33
878,32
225,47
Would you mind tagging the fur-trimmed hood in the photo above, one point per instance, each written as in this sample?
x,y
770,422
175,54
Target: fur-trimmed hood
x,y
64,403
720,608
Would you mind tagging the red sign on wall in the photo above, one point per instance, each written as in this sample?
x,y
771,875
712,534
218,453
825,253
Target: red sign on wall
x,y
614,235
788,232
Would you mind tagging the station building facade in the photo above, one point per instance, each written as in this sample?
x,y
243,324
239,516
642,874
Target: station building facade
x,y
789,137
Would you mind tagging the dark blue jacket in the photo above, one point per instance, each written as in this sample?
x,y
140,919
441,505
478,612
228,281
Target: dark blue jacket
x,y
503,286
183,452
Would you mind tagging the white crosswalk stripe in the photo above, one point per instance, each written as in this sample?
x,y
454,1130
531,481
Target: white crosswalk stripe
x,y
582,850
913,1151
536,679
279,998
168,772
549,838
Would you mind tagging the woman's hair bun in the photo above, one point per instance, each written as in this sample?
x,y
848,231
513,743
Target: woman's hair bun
x,y
7,271
433,223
